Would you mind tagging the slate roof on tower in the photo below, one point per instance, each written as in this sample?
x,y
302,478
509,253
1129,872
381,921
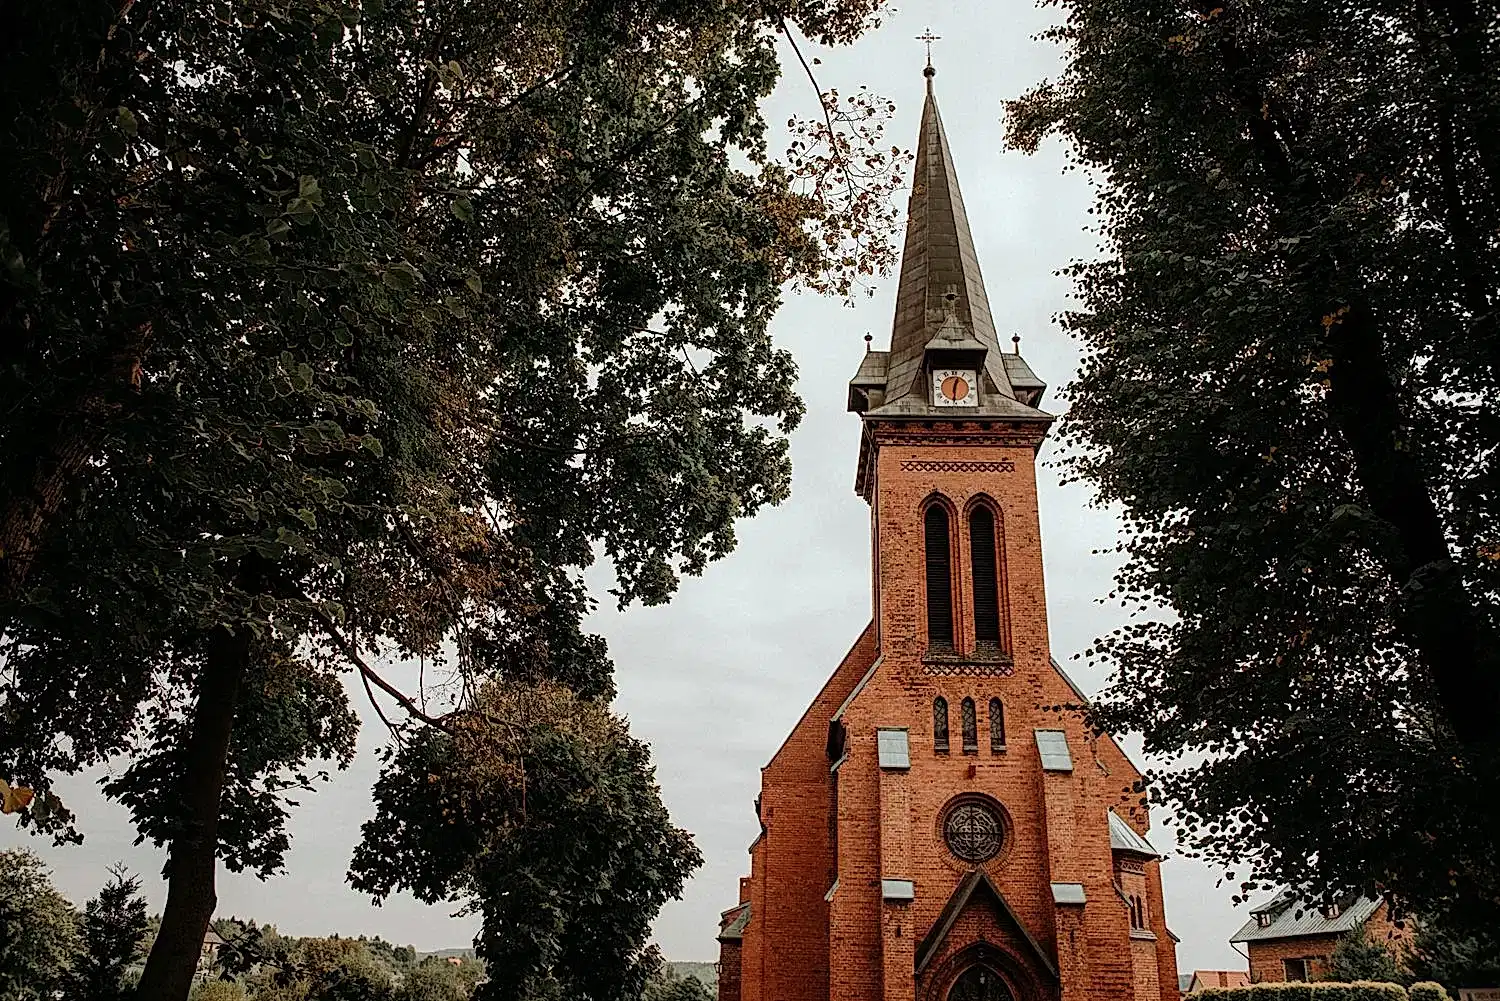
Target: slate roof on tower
x,y
941,303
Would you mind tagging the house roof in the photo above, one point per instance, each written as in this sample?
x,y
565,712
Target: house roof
x,y
1199,979
211,937
1294,918
733,922
1123,838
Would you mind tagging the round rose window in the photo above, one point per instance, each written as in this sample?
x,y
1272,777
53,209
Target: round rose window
x,y
974,831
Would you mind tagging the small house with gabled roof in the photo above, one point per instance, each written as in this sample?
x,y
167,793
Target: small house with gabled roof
x,y
1290,939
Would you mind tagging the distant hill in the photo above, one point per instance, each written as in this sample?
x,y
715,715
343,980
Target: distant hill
x,y
445,953
706,972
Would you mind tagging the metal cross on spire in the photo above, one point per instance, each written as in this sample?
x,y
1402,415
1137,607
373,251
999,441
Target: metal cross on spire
x,y
929,38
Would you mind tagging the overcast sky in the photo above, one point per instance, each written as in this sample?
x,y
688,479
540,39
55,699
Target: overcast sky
x,y
715,680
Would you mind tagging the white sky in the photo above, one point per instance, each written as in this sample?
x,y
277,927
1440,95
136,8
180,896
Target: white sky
x,y
715,680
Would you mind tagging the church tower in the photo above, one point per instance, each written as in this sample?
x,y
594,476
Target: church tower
x,y
941,825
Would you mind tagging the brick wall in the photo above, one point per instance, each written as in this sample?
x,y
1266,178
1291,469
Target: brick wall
x,y
1266,957
729,971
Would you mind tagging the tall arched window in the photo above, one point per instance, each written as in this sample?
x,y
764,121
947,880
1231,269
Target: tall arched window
x,y
971,727
984,559
939,577
997,726
940,725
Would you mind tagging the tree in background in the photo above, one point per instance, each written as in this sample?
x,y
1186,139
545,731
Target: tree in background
x,y
38,930
1359,956
436,979
113,929
1289,389
1455,959
540,814
667,985
341,331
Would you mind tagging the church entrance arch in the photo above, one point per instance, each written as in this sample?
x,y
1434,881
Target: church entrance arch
x,y
979,983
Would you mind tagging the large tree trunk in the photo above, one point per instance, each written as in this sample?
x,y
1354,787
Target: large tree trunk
x,y
191,857
58,461
1440,620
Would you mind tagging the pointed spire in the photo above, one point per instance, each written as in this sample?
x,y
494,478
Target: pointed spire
x,y
941,286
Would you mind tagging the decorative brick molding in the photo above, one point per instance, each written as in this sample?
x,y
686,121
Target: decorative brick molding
x,y
969,668
935,466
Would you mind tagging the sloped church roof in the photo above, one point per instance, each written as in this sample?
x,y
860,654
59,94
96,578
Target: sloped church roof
x,y
941,301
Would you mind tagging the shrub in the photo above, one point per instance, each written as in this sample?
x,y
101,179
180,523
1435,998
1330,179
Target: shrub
x,y
1428,991
1311,992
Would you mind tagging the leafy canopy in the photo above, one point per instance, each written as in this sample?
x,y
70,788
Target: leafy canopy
x,y
1289,392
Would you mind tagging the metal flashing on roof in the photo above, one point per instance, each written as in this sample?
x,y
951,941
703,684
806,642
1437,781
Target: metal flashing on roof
x,y
1053,746
1291,917
1123,838
828,897
1068,893
1082,697
839,763
892,746
898,889
839,713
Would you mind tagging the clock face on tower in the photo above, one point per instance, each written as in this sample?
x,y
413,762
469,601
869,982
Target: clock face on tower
x,y
955,387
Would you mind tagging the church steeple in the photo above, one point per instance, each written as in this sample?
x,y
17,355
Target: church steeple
x,y
943,319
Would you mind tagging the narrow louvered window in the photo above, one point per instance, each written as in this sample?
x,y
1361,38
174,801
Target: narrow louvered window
x,y
984,562
971,727
940,725
939,578
997,726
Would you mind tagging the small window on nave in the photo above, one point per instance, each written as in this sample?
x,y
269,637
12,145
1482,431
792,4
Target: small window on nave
x,y
997,726
940,725
970,727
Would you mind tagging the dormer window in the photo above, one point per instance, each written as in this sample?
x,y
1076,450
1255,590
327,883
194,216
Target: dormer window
x,y
1331,911
1263,919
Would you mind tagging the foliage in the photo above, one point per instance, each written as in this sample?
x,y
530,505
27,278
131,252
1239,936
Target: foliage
x,y
344,330
439,980
668,985
1456,958
113,928
38,930
541,814
218,990
1427,991
1306,992
1359,956
1288,391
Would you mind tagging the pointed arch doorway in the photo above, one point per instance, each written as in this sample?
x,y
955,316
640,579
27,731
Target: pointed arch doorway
x,y
979,983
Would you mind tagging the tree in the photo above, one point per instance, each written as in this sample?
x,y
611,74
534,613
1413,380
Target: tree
x,y
1455,959
541,814
1358,956
438,980
1288,391
113,928
38,930
668,986
346,330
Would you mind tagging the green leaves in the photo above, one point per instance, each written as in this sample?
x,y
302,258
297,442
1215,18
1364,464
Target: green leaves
x,y
1284,388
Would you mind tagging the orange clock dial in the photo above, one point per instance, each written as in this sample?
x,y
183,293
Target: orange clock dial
x,y
955,387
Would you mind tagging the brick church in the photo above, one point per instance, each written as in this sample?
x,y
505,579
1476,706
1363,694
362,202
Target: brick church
x,y
940,825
